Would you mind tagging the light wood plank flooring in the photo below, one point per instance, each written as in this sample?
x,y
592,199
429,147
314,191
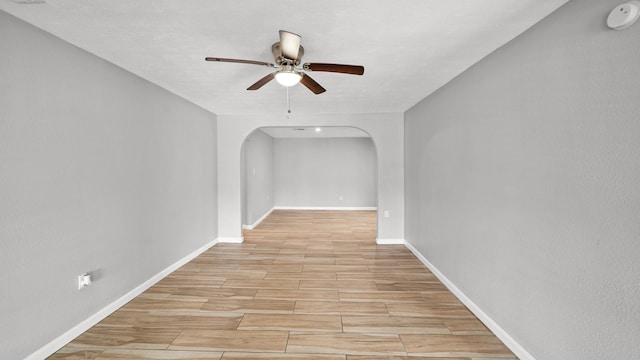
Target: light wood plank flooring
x,y
304,285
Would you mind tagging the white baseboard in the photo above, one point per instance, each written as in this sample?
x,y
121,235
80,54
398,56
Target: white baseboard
x,y
345,208
232,240
85,325
389,241
510,342
257,222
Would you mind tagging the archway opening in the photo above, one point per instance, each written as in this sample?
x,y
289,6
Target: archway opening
x,y
307,168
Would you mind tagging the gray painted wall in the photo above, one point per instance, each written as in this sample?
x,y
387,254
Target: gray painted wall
x,y
522,185
99,171
258,174
316,172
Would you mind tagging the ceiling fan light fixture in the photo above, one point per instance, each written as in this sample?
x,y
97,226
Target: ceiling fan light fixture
x,y
288,77
287,55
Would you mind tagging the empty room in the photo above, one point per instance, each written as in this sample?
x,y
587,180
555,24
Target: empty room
x,y
343,180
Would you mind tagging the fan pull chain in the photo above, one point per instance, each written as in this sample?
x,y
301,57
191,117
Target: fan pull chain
x,y
288,102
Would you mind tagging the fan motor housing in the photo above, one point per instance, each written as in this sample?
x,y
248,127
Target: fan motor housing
x,y
280,60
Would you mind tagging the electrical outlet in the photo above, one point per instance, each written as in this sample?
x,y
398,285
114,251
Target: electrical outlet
x,y
84,280
386,213
340,197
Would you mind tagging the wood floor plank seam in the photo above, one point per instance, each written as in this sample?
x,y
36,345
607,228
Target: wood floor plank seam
x,y
309,285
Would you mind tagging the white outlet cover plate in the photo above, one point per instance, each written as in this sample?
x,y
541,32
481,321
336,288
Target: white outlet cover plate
x,y
84,280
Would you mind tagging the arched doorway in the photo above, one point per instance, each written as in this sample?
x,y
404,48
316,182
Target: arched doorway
x,y
386,130
307,168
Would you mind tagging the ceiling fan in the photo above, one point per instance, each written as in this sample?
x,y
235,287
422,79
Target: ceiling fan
x,y
287,54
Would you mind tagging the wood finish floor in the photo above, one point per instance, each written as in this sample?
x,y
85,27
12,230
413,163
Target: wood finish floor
x,y
307,285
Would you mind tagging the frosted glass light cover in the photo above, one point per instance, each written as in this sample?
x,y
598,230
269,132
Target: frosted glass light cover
x,y
288,78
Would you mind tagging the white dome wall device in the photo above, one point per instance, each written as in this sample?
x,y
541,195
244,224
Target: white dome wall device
x,y
624,15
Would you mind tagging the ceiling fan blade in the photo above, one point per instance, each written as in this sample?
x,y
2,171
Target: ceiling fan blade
x,y
260,83
312,84
252,62
336,68
289,45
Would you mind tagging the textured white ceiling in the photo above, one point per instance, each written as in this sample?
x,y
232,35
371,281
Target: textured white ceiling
x,y
409,48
